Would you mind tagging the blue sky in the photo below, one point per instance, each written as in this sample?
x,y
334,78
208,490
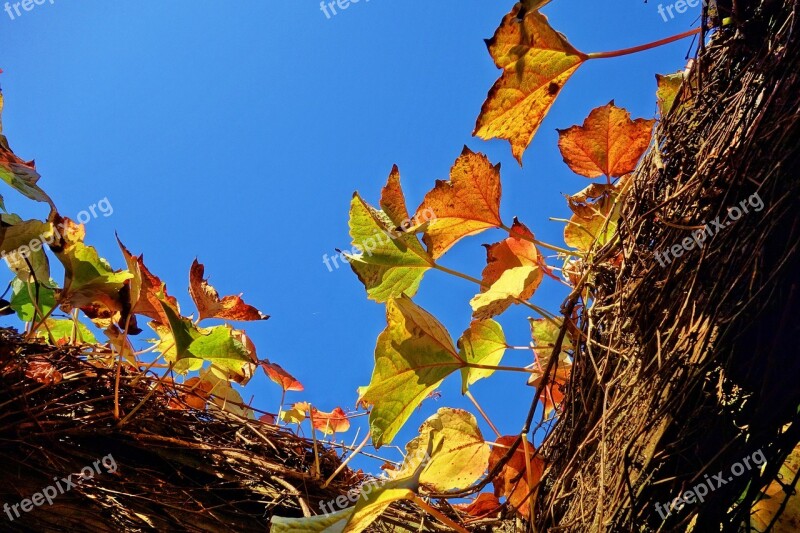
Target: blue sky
x,y
237,132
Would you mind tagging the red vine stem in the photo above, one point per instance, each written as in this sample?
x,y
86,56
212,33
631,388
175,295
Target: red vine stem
x,y
641,47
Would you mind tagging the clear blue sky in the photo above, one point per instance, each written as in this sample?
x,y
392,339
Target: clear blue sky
x,y
237,131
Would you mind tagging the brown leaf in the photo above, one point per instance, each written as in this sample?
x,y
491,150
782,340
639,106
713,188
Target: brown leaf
x,y
484,505
609,143
209,304
43,372
147,290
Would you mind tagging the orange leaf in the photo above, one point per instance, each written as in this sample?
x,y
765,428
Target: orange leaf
x,y
209,304
537,61
465,205
334,422
609,143
280,376
512,481
197,395
517,250
484,505
147,290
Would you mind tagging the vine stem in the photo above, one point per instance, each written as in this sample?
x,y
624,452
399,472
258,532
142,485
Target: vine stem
x,y
546,314
537,242
642,47
438,514
344,463
469,395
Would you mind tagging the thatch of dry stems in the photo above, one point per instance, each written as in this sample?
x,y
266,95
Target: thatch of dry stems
x,y
178,469
691,366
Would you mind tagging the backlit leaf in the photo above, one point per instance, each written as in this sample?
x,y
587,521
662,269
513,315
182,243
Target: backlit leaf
x,y
62,331
593,222
388,262
545,334
482,343
537,61
466,204
412,357
669,86
329,423
209,304
22,302
327,523
280,376
514,270
609,143
146,290
775,494
484,505
460,454
295,415
512,482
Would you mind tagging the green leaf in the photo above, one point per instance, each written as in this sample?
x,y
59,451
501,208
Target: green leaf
x,y
545,334
412,357
216,345
22,303
328,523
668,88
482,343
392,263
62,331
460,454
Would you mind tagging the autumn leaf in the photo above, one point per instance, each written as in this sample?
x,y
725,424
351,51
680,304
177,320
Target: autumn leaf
x,y
484,505
482,343
669,87
217,345
209,304
390,263
329,423
537,61
296,414
512,481
465,205
773,498
280,376
20,175
43,372
197,392
22,245
595,216
412,357
514,270
459,452
147,290
545,334
325,523
24,295
609,143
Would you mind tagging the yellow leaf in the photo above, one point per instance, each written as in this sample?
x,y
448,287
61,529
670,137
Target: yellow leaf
x,y
537,61
773,497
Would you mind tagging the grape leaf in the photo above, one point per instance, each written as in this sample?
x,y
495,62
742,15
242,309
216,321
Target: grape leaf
x,y
62,332
514,270
412,357
512,482
22,303
209,304
537,61
669,86
465,205
329,423
146,290
482,343
391,263
609,143
20,175
588,225
460,453
280,376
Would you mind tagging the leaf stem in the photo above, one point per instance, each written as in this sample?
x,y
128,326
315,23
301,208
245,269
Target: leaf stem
x,y
469,395
642,47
